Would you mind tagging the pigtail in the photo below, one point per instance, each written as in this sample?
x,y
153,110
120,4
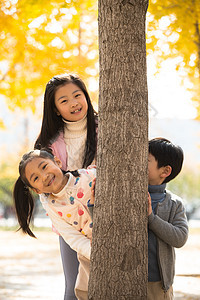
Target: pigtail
x,y
24,205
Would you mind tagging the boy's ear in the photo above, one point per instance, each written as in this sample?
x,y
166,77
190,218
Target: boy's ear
x,y
58,161
166,171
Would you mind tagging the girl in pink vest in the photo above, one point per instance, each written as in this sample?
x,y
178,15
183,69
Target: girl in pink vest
x,y
69,129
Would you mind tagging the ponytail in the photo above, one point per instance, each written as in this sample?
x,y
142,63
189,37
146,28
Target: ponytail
x,y
24,205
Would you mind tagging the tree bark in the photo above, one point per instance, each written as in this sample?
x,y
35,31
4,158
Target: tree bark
x,y
119,245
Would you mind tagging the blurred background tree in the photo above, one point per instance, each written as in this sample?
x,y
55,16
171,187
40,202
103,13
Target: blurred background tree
x,y
7,179
186,185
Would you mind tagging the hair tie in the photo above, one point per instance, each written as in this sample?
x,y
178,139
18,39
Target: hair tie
x,y
26,188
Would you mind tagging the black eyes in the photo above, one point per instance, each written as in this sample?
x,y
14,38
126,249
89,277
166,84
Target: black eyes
x,y
64,101
43,166
35,178
78,95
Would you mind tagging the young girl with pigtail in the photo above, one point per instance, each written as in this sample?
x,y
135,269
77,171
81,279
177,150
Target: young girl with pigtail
x,y
69,129
65,197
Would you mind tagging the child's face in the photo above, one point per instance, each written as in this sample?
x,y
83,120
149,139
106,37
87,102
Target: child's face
x,y
45,175
70,102
155,174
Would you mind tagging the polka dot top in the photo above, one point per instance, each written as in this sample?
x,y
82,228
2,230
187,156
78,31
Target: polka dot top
x,y
70,203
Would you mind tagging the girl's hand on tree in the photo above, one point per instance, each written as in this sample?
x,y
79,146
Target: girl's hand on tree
x,y
92,167
92,198
149,204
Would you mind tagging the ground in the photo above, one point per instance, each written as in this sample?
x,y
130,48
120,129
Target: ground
x,y
31,268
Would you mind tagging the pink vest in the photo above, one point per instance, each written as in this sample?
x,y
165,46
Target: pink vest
x,y
59,150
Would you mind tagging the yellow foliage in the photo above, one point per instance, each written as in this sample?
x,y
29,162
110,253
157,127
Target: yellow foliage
x,y
176,24
2,125
40,39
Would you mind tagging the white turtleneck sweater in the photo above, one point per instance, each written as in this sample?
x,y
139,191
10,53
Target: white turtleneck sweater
x,y
75,135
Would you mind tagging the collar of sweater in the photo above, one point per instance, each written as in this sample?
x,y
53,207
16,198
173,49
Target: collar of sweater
x,y
157,193
75,129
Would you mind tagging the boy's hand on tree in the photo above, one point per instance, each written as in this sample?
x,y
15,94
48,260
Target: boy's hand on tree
x,y
149,204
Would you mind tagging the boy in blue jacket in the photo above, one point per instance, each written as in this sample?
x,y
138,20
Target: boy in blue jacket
x,y
167,222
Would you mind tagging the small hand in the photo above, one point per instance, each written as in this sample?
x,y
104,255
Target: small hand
x,y
92,167
92,198
149,204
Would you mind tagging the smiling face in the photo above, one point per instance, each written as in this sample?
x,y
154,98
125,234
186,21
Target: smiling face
x,y
70,102
45,175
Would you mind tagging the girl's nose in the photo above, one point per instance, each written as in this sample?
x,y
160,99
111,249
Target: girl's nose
x,y
45,178
74,103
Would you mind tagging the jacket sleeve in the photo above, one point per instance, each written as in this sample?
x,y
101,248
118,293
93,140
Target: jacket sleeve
x,y
174,231
76,240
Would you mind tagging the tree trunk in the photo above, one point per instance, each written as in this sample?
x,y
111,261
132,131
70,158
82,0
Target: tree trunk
x,y
119,245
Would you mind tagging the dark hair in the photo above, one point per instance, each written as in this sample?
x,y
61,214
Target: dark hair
x,y
52,124
22,195
165,154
